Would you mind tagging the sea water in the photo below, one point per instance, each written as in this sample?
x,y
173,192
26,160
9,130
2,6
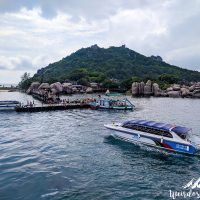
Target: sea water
x,y
69,154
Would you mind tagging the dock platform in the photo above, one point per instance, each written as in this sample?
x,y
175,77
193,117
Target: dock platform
x,y
51,107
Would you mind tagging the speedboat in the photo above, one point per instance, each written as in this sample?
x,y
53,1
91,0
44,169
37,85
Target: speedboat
x,y
165,136
105,103
8,105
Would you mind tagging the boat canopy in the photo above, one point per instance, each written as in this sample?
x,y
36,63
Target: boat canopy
x,y
179,130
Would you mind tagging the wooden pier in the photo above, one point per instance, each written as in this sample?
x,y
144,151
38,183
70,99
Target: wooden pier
x,y
51,107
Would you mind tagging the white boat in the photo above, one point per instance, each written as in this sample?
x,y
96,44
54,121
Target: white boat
x,y
165,136
8,105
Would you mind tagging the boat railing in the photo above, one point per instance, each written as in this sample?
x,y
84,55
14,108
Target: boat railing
x,y
130,102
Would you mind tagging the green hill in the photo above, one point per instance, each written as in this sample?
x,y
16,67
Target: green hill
x,y
115,63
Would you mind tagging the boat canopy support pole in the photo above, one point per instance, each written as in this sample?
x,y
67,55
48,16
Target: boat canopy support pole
x,y
130,102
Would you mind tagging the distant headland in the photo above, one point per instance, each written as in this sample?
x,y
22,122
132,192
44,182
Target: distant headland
x,y
8,87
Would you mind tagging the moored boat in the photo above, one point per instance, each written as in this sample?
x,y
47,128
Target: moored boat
x,y
108,93
8,105
165,136
105,103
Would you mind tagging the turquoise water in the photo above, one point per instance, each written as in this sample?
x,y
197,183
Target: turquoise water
x,y
69,154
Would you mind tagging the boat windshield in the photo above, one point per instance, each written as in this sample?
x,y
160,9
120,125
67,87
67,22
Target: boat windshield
x,y
186,136
183,136
189,135
182,132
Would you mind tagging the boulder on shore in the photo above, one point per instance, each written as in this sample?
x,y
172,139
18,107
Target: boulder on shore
x,y
163,94
191,88
57,87
64,85
54,91
138,88
44,86
184,92
196,93
174,94
141,88
33,87
176,87
148,88
156,90
89,90
67,88
169,89
135,88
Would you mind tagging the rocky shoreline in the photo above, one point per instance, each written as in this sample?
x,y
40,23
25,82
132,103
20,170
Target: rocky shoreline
x,y
192,90
50,92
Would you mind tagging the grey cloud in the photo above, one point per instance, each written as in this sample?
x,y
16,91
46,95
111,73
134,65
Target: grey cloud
x,y
193,61
89,9
35,42
2,67
24,64
50,7
28,63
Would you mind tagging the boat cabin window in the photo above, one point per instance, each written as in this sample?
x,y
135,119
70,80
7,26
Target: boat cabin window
x,y
183,136
148,130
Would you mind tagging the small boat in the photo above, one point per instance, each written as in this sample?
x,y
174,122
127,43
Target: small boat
x,y
165,136
113,94
108,93
8,105
104,103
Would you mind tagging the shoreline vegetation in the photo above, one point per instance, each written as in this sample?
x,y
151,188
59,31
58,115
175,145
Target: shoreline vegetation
x,y
8,88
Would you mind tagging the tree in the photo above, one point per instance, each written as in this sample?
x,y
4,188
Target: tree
x,y
25,81
25,76
110,84
78,74
168,78
83,81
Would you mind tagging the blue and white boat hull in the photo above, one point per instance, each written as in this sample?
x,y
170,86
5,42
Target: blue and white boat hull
x,y
159,142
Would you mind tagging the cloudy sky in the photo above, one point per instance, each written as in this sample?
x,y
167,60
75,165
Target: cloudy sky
x,y
34,33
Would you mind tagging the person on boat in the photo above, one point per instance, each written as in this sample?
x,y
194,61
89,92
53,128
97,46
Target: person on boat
x,y
107,91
